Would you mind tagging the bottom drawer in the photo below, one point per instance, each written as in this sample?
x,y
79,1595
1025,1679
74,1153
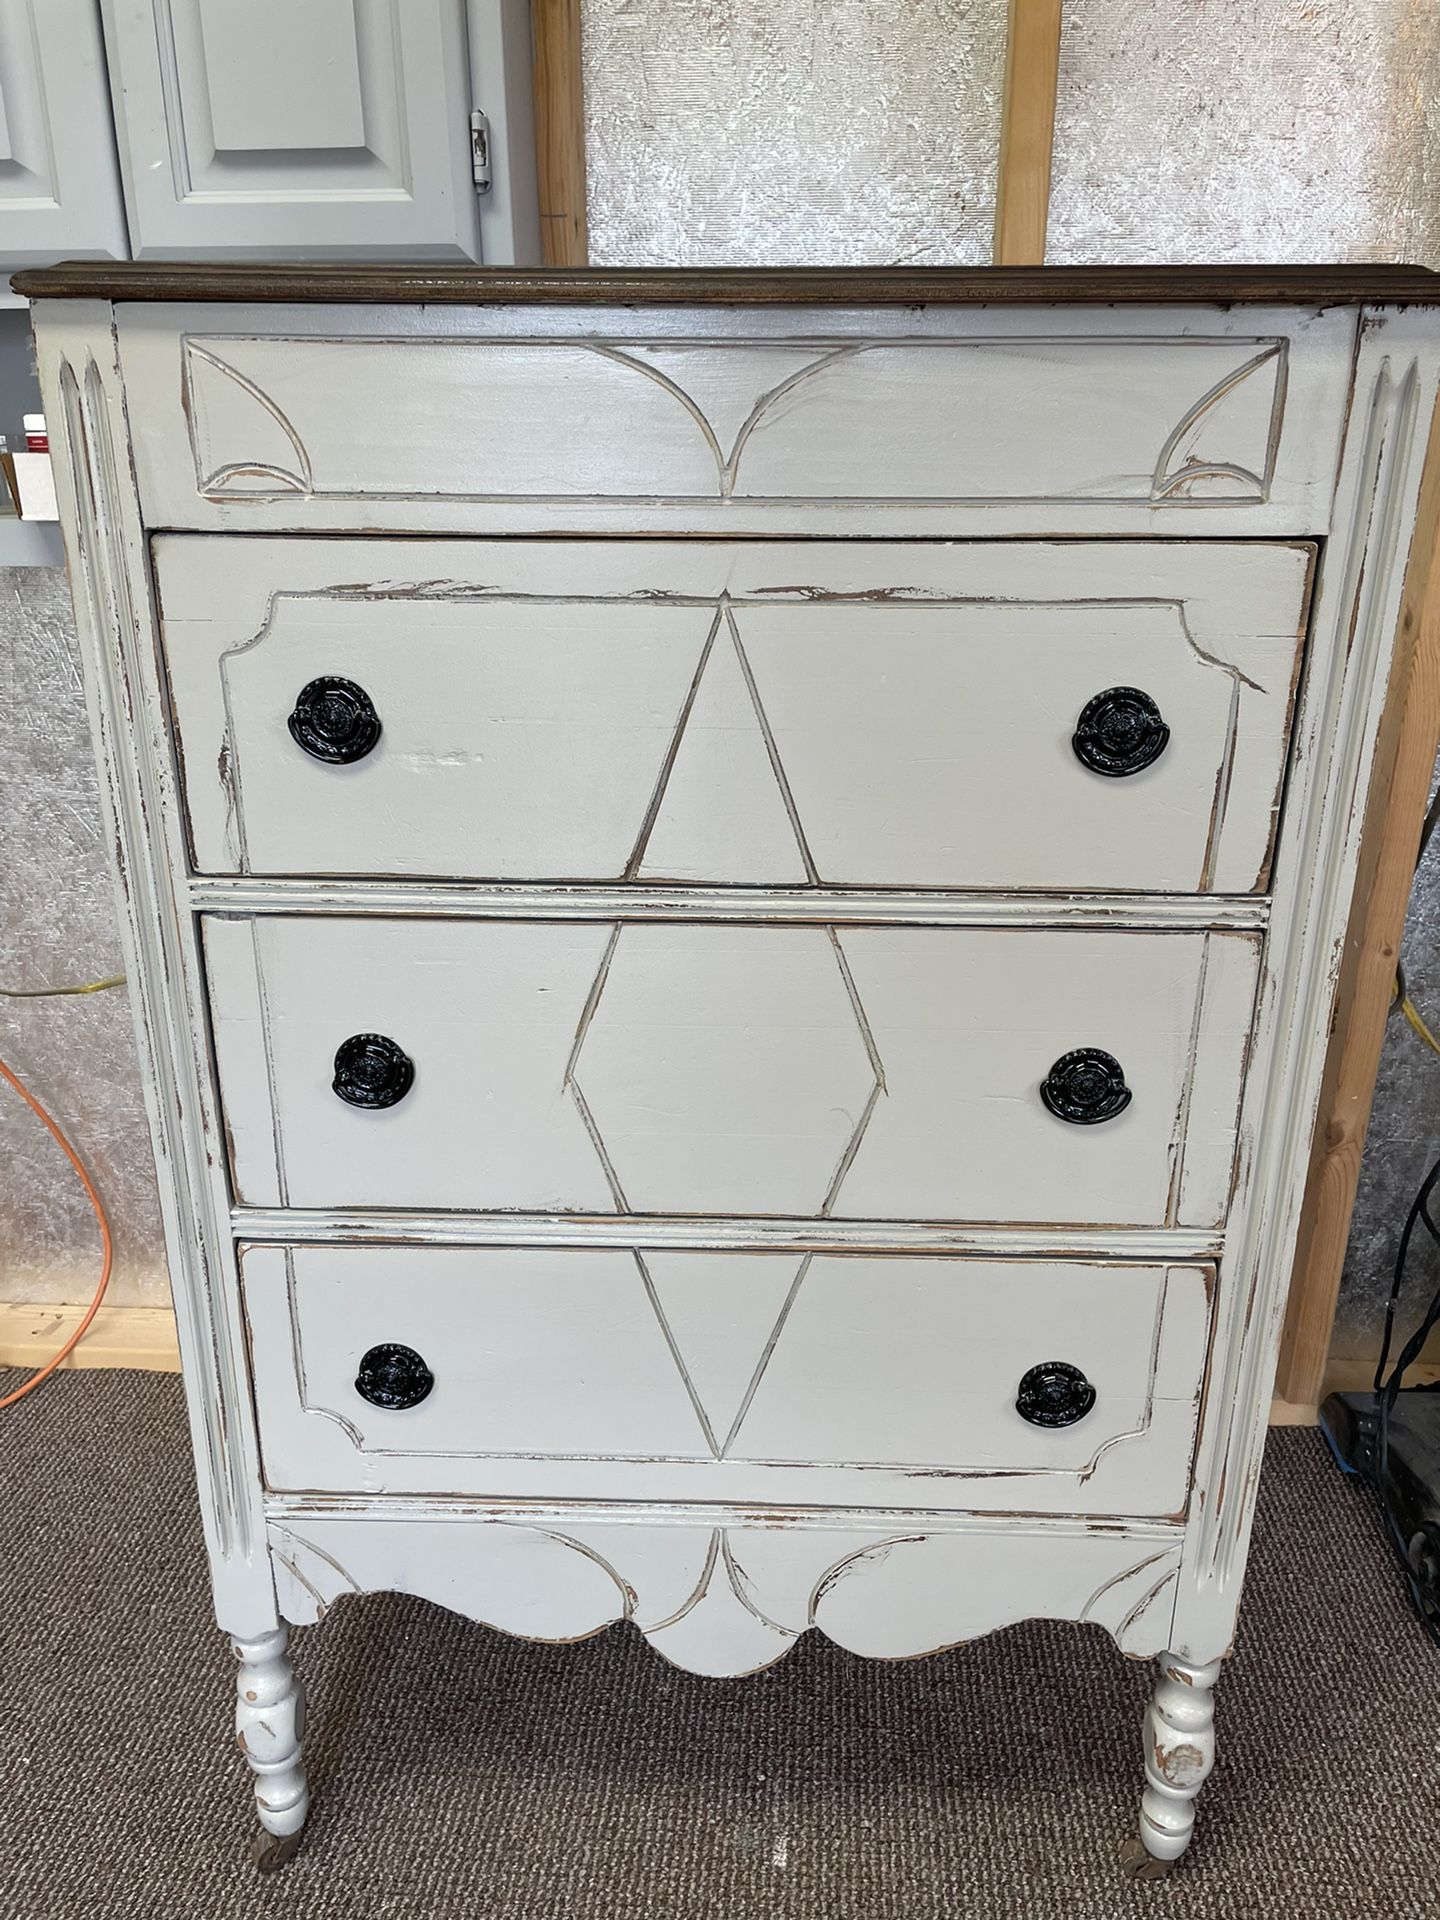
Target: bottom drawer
x,y
820,1380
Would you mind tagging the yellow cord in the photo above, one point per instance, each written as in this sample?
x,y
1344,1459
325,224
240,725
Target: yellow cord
x,y
52,993
1412,1014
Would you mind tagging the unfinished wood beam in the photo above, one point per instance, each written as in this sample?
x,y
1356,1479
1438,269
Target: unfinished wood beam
x,y
142,1337
1404,761
560,132
1027,132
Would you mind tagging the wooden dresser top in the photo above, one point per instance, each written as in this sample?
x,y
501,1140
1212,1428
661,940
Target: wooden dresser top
x,y
400,285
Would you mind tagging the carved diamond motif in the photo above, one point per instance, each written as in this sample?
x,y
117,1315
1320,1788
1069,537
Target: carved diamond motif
x,y
725,1069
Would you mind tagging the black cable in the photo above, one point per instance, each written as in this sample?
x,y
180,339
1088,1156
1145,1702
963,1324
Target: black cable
x,y
1432,820
1387,1390
1427,833
1419,1211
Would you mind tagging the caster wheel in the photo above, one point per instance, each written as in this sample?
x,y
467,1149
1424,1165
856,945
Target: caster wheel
x,y
271,1851
1137,1863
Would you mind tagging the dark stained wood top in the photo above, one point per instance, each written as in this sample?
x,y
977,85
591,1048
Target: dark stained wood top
x,y
399,285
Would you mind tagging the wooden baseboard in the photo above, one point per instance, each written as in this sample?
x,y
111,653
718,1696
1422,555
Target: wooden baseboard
x,y
1293,1413
142,1337
1344,1376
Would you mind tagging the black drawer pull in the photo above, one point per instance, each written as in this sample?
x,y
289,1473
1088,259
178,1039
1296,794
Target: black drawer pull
x,y
372,1071
1054,1394
393,1377
1085,1087
1120,732
334,721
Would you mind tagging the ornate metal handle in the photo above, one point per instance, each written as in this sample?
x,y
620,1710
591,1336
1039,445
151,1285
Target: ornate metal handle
x,y
1054,1394
393,1377
334,720
1085,1087
1120,732
372,1071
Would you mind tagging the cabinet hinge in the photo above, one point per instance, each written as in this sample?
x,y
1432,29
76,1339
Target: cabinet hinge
x,y
480,151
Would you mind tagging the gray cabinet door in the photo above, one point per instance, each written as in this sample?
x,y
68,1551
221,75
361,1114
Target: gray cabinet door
x,y
59,183
334,129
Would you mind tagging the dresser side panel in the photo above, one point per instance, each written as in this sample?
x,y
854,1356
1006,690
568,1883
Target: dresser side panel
x,y
1355,633
85,405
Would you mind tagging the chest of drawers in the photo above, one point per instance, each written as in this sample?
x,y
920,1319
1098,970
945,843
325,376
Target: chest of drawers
x,y
734,886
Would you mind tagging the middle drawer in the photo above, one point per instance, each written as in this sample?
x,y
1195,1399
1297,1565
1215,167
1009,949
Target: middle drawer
x,y
1029,1076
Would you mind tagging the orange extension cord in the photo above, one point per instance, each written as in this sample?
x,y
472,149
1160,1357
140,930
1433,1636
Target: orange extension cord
x,y
108,1258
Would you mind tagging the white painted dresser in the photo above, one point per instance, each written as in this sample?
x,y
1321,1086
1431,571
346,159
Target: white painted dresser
x,y
734,885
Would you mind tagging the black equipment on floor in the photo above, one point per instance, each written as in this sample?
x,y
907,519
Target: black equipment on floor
x,y
1391,1435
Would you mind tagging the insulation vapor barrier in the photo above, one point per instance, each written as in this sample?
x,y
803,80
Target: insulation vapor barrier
x,y
812,132
57,924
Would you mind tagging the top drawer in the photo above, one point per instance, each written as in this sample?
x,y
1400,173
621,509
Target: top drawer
x,y
788,421
1109,716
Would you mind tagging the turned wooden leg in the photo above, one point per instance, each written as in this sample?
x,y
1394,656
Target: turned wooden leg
x,y
1179,1753
269,1726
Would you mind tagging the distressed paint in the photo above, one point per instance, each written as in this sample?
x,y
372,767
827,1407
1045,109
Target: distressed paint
x,y
723,1597
269,1730
795,1071
1179,1754
600,1375
81,384
671,714
927,420
755,1466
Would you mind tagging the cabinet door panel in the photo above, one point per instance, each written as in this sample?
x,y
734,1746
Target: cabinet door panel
x,y
59,186
335,129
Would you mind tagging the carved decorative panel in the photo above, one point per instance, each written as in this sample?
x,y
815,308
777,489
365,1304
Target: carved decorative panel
x,y
1150,420
732,1600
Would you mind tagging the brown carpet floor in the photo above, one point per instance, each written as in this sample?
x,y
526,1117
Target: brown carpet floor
x,y
460,1773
